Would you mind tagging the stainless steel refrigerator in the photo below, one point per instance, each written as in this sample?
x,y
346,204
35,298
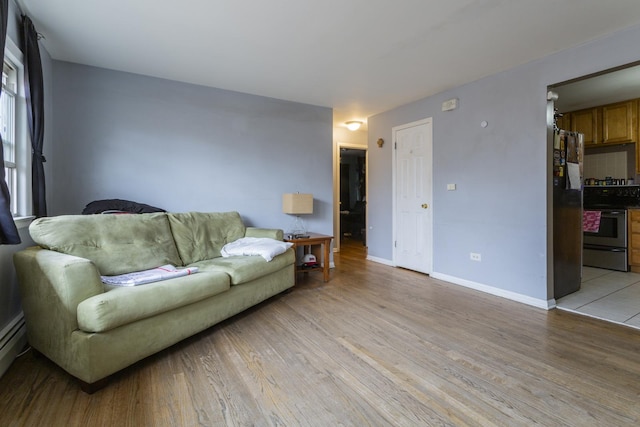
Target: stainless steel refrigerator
x,y
568,152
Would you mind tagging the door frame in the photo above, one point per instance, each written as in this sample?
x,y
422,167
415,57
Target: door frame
x,y
336,188
394,219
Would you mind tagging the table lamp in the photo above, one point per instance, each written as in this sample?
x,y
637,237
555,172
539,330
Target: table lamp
x,y
297,204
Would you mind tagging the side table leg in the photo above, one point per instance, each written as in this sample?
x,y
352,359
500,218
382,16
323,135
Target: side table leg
x,y
326,260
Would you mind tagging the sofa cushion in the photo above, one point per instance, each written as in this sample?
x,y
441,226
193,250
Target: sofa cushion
x,y
200,236
115,243
243,269
122,305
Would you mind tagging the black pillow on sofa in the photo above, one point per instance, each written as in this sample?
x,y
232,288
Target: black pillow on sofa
x,y
117,205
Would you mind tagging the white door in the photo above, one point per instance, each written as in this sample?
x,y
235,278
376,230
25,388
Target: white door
x,y
413,213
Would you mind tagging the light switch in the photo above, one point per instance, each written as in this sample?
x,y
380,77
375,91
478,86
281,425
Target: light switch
x,y
451,187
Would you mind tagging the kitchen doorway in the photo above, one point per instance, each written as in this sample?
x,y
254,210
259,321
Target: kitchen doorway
x,y
607,294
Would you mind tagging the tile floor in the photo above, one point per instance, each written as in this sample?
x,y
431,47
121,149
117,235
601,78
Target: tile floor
x,y
608,295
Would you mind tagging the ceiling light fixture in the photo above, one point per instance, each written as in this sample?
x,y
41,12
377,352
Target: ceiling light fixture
x,y
353,125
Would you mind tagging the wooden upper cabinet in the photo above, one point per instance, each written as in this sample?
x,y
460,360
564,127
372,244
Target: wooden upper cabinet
x,y
564,122
587,123
610,124
619,122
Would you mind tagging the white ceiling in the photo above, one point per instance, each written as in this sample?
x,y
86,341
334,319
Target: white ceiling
x,y
360,57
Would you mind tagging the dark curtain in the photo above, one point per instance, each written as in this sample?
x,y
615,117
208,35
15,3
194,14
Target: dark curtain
x,y
34,91
8,231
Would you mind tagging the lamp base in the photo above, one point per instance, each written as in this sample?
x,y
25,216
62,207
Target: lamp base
x,y
297,236
298,229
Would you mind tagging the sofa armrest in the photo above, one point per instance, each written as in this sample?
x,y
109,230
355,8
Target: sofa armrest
x,y
273,233
52,284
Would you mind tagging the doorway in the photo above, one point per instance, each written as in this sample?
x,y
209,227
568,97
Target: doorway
x,y
605,294
352,193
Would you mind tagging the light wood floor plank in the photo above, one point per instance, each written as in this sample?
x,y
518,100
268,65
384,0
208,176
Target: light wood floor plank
x,y
375,346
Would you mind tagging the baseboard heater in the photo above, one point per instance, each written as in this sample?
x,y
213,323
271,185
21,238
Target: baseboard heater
x,y
12,339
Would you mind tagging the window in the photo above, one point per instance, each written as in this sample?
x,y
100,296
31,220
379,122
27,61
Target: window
x,y
7,129
13,127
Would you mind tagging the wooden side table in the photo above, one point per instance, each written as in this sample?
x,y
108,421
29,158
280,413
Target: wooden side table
x,y
317,244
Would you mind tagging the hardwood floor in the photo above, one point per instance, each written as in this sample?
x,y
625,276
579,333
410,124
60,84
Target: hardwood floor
x,y
375,346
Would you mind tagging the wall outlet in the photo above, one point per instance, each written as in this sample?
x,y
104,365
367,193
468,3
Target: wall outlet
x,y
451,187
475,257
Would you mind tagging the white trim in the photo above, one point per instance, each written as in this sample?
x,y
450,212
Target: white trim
x,y
23,221
380,260
514,296
13,338
14,50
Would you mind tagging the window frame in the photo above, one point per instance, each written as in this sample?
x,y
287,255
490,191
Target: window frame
x,y
21,198
7,128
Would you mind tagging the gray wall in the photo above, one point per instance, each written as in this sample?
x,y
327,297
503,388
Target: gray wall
x,y
184,147
500,206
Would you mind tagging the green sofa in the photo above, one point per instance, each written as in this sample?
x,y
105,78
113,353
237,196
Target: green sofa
x,y
93,331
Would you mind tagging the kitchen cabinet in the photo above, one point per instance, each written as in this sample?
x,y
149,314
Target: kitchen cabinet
x,y
608,124
587,122
634,239
605,125
619,122
564,122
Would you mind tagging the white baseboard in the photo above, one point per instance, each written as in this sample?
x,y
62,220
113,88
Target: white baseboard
x,y
514,296
13,338
380,260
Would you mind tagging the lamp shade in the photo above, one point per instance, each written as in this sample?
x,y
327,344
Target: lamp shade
x,y
297,203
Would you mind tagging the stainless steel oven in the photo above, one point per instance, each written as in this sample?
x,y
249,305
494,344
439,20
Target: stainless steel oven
x,y
612,230
607,247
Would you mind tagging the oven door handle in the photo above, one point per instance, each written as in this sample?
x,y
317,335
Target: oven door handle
x,y
603,248
612,212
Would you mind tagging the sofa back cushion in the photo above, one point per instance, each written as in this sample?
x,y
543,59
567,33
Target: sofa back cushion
x,y
116,244
200,236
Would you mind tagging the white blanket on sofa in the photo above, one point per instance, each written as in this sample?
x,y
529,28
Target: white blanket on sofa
x,y
163,272
263,246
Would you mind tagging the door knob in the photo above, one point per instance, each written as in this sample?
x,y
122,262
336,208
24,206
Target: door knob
x,y
425,206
